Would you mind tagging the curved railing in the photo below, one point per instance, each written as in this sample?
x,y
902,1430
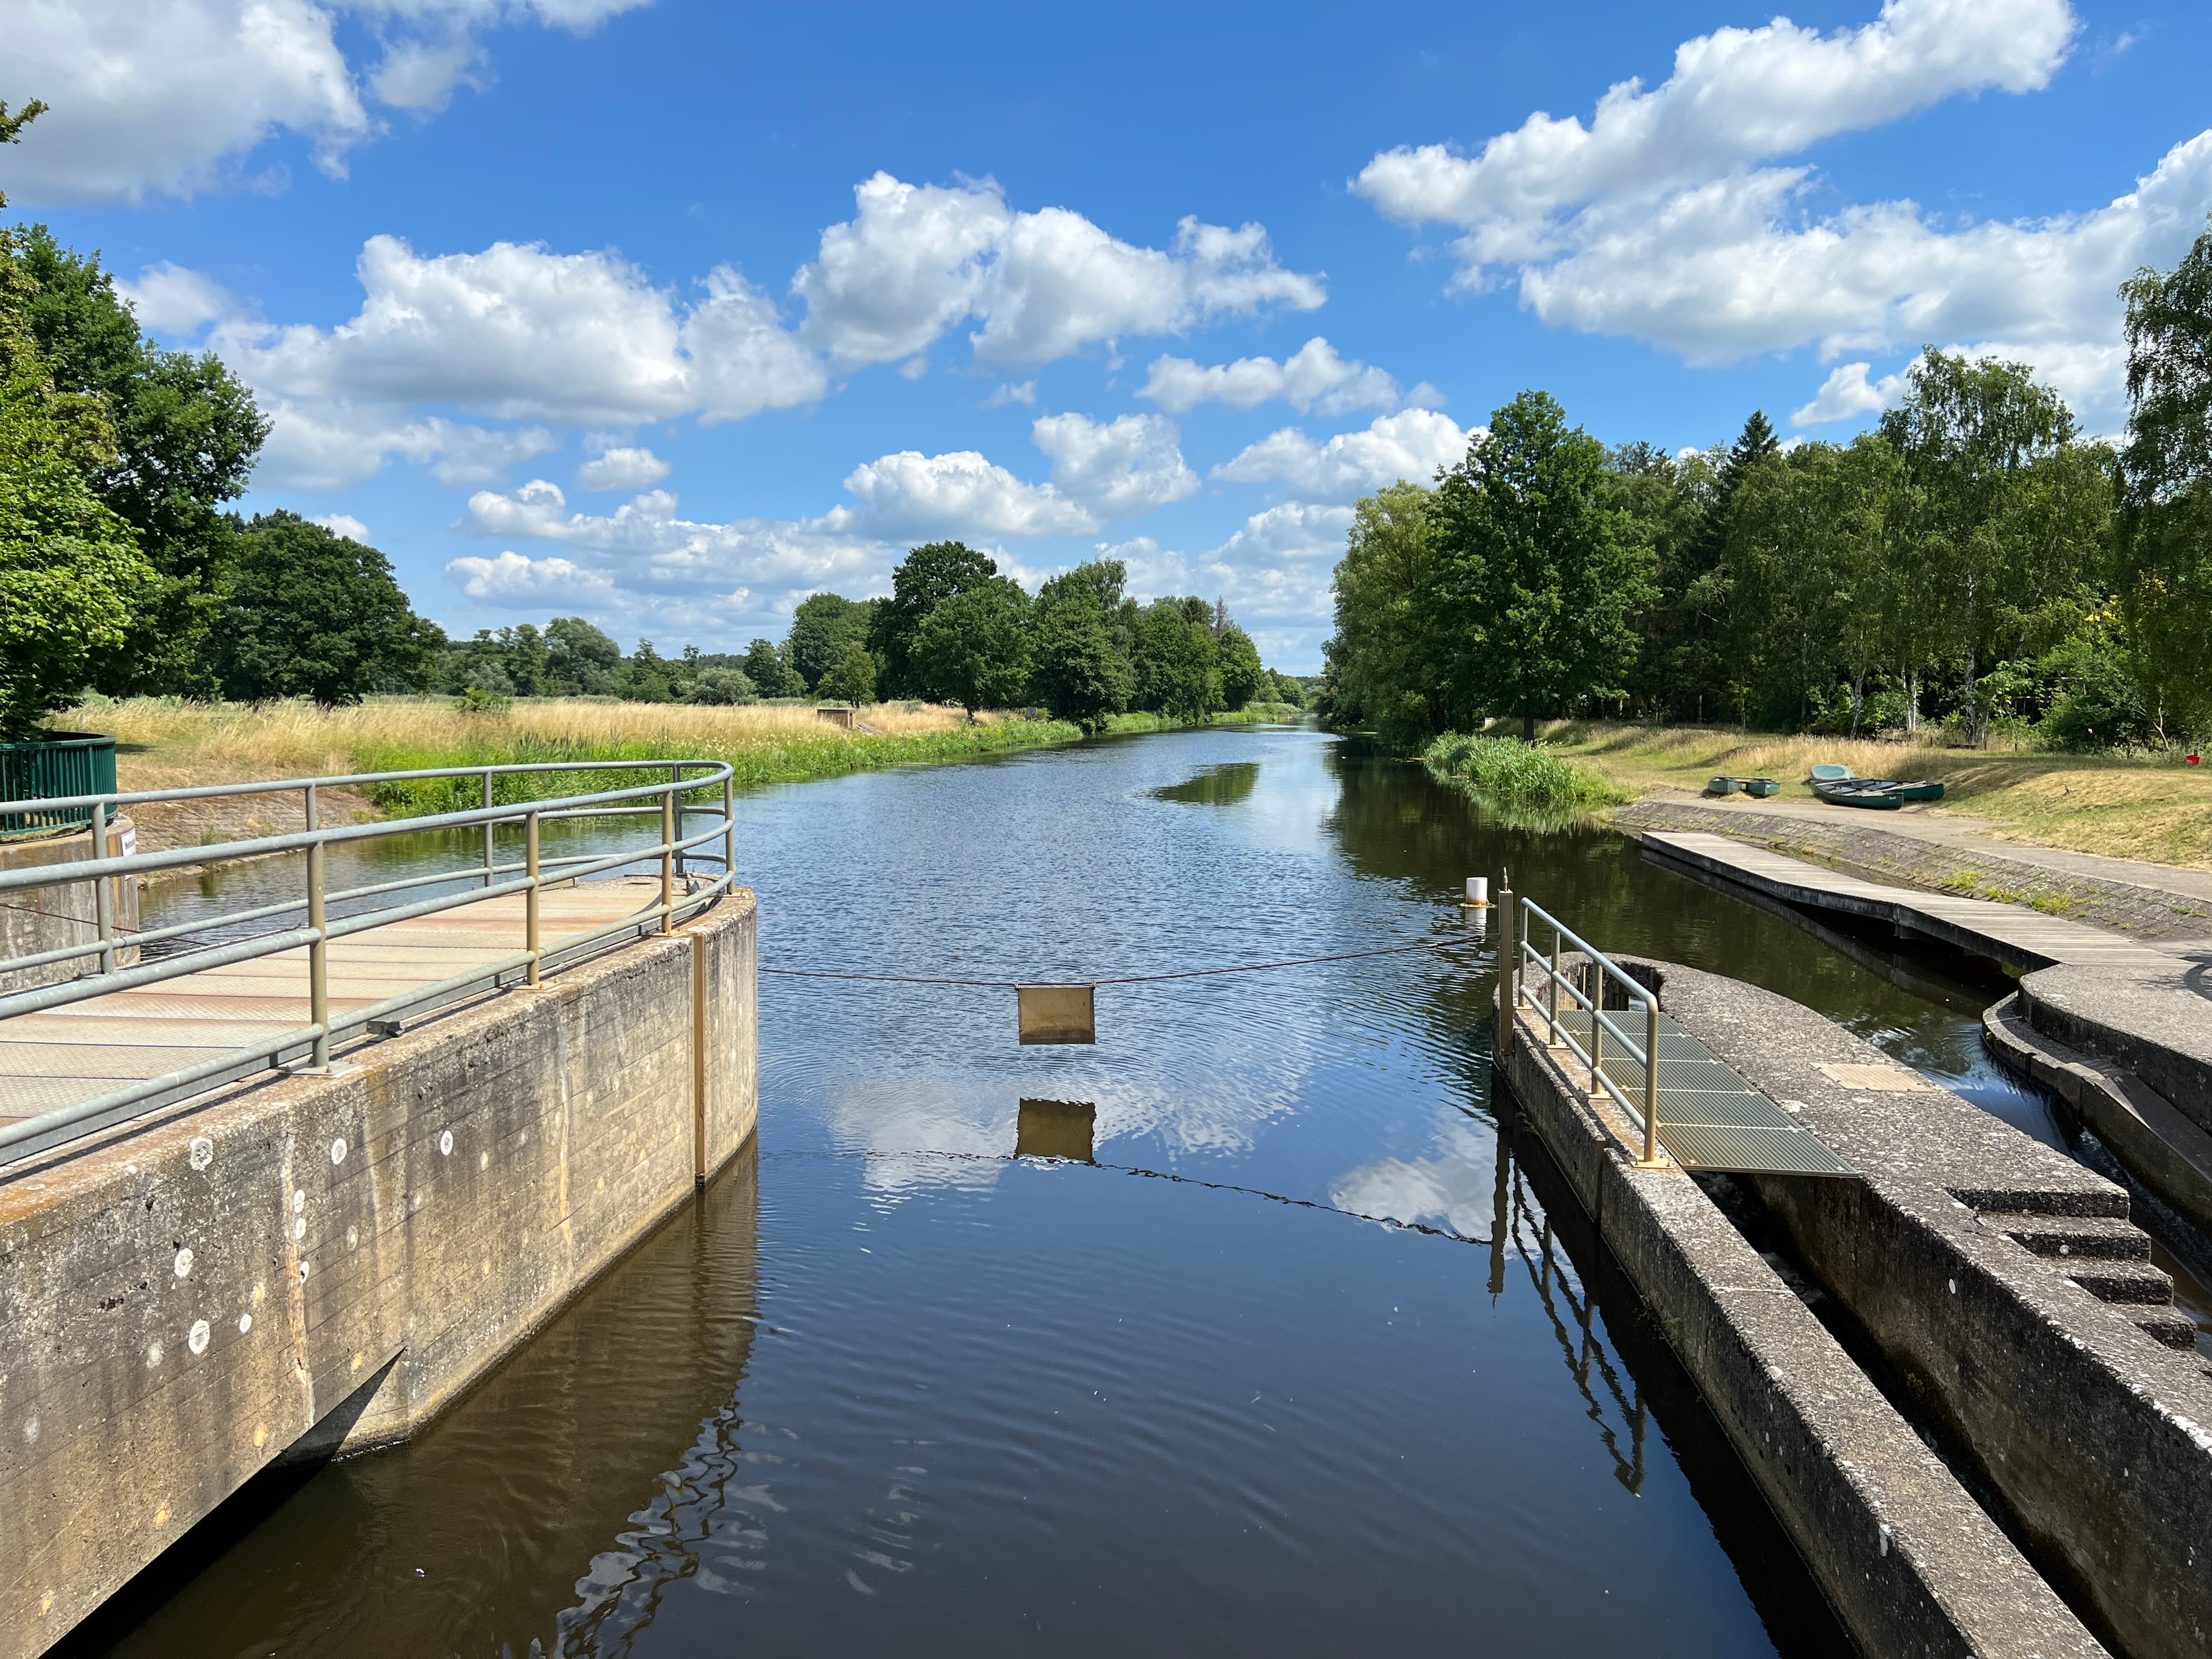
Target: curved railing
x,y
683,892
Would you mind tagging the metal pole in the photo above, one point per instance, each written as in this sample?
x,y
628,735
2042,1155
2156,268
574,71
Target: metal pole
x,y
319,964
1552,1037
1597,1042
676,776
530,895
730,829
491,860
103,895
668,861
1509,980
1650,1079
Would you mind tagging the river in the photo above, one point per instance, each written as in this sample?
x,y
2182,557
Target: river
x,y
1298,1365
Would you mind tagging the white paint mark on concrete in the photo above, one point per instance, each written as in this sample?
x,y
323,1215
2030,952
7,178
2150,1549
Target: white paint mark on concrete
x,y
299,1229
483,1160
303,1272
184,1262
1954,1283
353,1238
244,1323
445,1144
337,1153
299,1199
31,1430
203,1152
153,1355
197,1338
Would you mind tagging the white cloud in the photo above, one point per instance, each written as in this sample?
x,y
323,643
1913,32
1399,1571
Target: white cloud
x,y
526,582
1131,464
1276,570
329,446
345,524
523,332
171,300
623,467
961,494
174,96
1012,392
1736,95
1412,445
1847,392
1312,377
916,260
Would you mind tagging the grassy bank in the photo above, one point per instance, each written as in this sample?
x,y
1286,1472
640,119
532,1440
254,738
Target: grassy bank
x,y
2155,809
1518,778
165,743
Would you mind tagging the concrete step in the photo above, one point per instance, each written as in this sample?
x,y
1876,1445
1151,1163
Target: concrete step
x,y
2097,1238
2173,1330
2136,1284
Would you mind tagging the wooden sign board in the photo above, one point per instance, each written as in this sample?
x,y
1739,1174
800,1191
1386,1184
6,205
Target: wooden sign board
x,y
1056,1128
1056,1013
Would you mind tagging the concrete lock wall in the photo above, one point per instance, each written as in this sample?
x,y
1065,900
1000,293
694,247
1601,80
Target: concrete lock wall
x,y
51,917
324,1263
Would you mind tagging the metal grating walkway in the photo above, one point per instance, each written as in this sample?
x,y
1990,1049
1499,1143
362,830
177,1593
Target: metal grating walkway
x,y
1709,1117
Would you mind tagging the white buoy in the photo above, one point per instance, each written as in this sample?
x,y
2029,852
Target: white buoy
x,y
1478,892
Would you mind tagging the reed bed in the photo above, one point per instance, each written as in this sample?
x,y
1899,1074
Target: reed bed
x,y
1508,773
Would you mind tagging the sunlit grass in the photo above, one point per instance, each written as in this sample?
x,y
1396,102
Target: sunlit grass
x,y
1509,774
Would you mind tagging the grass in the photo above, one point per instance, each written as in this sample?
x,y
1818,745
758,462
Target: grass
x,y
167,743
2155,809
1519,775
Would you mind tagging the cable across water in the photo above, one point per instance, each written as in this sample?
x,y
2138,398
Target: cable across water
x,y
1129,979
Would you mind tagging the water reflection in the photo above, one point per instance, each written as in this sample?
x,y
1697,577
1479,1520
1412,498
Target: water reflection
x,y
1216,786
1056,1128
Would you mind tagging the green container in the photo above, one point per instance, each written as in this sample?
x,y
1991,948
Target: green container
x,y
54,768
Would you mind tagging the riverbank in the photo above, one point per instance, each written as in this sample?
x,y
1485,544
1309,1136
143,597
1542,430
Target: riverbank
x,y
2156,810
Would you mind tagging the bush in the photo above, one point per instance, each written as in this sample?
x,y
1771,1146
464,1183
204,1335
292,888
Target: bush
x,y
1523,774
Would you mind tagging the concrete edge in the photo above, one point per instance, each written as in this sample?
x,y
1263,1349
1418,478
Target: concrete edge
x,y
1910,1562
2157,1143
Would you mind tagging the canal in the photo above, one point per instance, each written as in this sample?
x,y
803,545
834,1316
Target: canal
x,y
1299,1364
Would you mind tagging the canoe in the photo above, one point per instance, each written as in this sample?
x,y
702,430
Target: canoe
x,y
1906,791
1830,772
1844,791
1761,788
1724,785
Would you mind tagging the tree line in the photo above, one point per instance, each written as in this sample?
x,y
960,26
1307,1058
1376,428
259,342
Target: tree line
x,y
952,630
1975,560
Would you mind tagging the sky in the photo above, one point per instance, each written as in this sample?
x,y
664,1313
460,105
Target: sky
x,y
670,313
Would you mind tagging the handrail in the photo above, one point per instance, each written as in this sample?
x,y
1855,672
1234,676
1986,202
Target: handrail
x,y
1524,953
670,800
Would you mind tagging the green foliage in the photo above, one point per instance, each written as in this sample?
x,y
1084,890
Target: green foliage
x,y
926,578
1385,662
310,614
186,433
1524,774
1242,677
721,688
1081,672
821,628
1175,661
973,649
852,677
1538,576
770,674
580,660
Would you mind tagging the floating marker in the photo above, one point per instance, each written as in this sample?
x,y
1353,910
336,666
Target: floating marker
x,y
1056,1013
1478,893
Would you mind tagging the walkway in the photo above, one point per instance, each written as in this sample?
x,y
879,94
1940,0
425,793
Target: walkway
x,y
89,1048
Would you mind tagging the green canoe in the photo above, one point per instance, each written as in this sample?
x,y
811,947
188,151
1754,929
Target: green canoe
x,y
1761,788
1830,772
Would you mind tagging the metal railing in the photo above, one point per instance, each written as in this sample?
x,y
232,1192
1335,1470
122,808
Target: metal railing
x,y
673,852
1544,999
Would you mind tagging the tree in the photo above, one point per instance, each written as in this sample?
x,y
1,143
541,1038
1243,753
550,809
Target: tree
x,y
720,686
770,675
1538,576
187,435
1175,661
647,676
1968,430
1242,675
852,677
310,614
581,661
925,578
821,628
1081,672
973,648
1386,657
2163,546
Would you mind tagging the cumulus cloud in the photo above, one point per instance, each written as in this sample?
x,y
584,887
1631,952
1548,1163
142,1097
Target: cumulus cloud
x,y
1655,222
1313,377
512,579
174,96
1847,392
1119,467
345,524
1276,569
961,494
1412,445
168,299
916,260
621,467
520,331
329,446
1011,391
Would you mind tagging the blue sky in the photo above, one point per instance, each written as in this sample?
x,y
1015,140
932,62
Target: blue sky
x,y
668,315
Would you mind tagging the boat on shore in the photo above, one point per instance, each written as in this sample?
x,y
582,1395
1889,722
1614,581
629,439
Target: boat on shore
x,y
1762,787
1880,793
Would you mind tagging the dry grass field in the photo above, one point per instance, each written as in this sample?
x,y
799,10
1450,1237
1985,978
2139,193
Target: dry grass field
x,y
2155,809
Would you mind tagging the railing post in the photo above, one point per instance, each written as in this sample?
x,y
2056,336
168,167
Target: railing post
x,y
1510,980
318,949
1651,1079
103,895
530,894
730,830
1597,1043
668,861
1551,1015
491,860
676,779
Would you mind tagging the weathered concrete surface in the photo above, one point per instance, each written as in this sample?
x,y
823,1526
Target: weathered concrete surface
x,y
2157,1026
328,1261
52,917
1910,1563
2095,1434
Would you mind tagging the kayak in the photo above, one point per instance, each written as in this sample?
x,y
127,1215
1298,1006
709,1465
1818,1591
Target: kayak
x,y
1845,792
1761,788
1724,785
